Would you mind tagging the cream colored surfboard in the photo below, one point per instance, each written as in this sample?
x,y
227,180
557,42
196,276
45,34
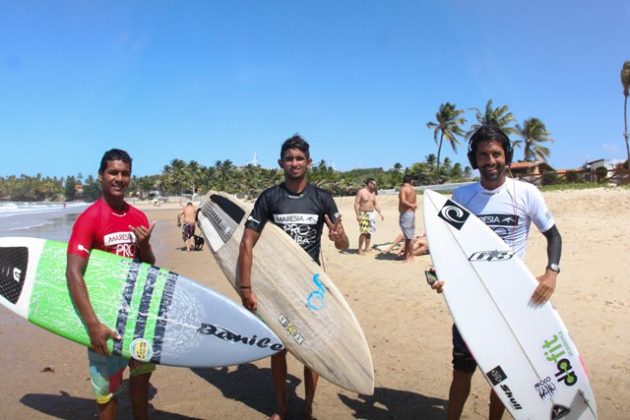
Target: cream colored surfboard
x,y
296,298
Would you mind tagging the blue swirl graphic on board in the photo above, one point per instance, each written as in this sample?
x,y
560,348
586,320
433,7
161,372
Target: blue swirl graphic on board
x,y
316,300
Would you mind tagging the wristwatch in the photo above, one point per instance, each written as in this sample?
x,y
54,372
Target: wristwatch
x,y
554,267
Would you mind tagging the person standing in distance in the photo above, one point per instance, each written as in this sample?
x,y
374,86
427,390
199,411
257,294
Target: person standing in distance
x,y
111,225
189,216
407,208
508,206
295,196
365,206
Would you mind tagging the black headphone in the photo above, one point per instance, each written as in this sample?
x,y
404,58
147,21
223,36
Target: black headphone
x,y
485,133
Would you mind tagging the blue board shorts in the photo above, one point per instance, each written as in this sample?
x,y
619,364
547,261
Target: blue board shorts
x,y
106,372
463,359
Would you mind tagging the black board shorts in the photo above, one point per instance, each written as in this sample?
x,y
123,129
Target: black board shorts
x,y
463,360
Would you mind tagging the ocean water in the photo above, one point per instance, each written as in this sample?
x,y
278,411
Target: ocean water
x,y
39,220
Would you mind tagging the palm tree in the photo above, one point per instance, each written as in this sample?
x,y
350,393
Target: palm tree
x,y
625,81
533,132
448,124
499,117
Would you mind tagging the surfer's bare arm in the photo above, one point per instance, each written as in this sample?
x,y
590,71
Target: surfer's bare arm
x,y
245,258
547,281
357,203
336,233
143,238
405,197
98,332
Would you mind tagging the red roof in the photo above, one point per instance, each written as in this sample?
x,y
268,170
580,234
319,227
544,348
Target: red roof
x,y
524,165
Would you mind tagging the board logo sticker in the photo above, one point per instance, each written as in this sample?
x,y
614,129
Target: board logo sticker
x,y
316,300
291,329
13,263
545,388
496,376
510,396
490,256
453,214
230,336
559,411
140,349
554,350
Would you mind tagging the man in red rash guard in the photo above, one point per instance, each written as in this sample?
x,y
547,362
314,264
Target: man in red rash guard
x,y
111,225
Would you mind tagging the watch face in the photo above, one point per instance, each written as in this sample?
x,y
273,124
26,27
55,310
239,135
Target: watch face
x,y
554,267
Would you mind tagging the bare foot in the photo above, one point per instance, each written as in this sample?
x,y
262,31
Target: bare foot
x,y
276,416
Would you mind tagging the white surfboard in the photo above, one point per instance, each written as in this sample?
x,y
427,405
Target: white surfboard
x,y
524,351
161,316
296,298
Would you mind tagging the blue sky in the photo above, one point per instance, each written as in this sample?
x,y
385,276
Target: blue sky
x,y
359,79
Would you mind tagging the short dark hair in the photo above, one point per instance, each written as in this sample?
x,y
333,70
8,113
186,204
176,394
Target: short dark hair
x,y
295,142
370,180
487,133
407,179
114,154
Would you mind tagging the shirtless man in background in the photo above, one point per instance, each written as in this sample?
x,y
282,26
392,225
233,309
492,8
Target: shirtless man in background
x,y
364,206
189,214
407,208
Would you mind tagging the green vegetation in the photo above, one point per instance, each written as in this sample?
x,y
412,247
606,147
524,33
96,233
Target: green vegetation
x,y
448,124
186,178
180,177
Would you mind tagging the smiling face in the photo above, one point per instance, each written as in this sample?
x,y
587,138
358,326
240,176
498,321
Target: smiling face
x,y
115,179
295,164
490,158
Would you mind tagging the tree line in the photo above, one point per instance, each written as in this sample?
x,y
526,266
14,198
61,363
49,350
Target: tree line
x,y
530,136
180,177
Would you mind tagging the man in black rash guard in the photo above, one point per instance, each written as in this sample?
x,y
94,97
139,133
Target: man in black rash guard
x,y
301,209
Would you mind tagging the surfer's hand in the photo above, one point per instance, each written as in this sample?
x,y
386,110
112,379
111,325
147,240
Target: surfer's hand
x,y
99,334
432,280
248,297
143,234
336,233
546,286
438,286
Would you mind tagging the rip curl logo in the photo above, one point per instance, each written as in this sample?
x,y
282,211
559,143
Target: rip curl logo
x,y
316,300
453,214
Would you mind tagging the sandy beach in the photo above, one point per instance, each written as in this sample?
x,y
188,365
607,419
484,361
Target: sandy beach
x,y
407,326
